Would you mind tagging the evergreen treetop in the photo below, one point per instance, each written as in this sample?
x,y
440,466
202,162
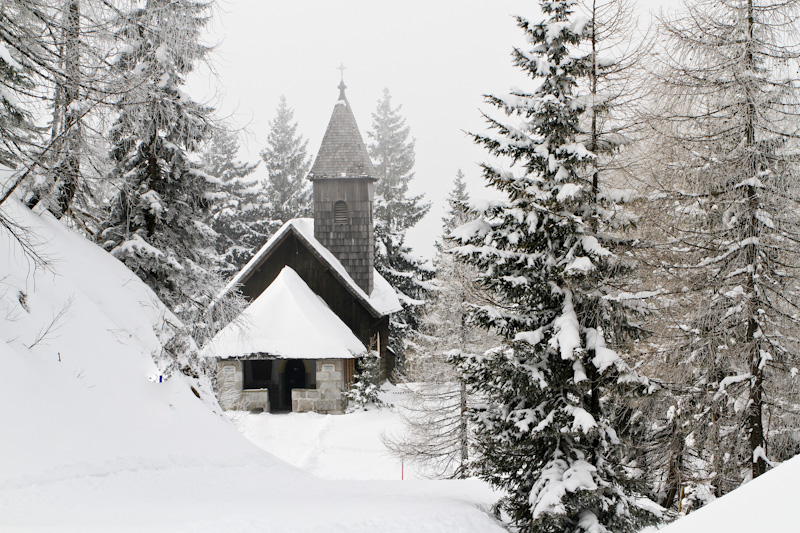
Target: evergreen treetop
x,y
237,213
286,190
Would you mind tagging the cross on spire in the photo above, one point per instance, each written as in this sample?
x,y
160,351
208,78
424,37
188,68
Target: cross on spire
x,y
341,68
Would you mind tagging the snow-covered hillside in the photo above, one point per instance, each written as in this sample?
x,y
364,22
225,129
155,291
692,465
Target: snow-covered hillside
x,y
90,440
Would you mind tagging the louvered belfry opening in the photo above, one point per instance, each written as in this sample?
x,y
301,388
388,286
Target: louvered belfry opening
x,y
340,215
344,188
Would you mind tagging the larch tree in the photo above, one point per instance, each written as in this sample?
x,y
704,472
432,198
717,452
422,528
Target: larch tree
x,y
286,190
546,432
392,153
731,125
74,85
64,176
156,222
436,434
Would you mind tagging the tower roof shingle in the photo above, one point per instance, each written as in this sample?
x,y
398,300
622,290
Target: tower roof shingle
x,y
342,153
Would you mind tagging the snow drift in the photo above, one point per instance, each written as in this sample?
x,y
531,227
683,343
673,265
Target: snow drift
x,y
767,503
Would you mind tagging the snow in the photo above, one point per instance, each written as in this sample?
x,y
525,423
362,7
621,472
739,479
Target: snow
x,y
93,441
383,298
531,337
558,477
767,503
567,191
287,320
567,336
6,56
580,264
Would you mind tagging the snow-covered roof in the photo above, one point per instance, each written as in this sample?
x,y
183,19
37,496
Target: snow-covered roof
x,y
381,302
287,320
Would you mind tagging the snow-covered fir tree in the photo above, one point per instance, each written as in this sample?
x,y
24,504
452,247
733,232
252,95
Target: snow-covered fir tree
x,y
156,222
396,212
238,214
286,190
730,189
436,434
546,433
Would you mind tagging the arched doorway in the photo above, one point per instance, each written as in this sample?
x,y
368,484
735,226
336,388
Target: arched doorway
x,y
294,377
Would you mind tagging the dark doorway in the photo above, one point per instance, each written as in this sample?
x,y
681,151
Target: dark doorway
x,y
294,377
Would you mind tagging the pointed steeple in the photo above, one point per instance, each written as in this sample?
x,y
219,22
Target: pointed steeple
x,y
344,190
342,153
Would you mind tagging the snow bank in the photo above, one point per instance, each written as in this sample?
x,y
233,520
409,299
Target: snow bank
x,y
767,503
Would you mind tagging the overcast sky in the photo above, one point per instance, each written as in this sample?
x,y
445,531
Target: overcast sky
x,y
437,57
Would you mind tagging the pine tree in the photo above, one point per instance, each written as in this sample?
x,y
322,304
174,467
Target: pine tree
x,y
237,214
395,213
286,189
731,113
156,221
547,434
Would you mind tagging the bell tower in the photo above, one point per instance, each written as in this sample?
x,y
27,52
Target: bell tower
x,y
344,188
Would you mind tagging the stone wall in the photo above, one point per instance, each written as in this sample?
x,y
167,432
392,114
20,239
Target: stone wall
x,y
255,399
328,397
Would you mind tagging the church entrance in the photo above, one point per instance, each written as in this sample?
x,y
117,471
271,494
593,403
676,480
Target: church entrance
x,y
294,377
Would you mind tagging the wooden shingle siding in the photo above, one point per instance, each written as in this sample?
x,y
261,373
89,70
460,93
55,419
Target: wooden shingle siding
x,y
351,243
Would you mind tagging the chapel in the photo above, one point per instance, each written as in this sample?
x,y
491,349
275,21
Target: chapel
x,y
316,301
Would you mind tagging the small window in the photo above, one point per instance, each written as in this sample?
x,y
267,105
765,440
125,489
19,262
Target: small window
x,y
340,213
257,374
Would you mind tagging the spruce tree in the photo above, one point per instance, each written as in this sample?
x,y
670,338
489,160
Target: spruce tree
x,y
238,214
286,190
396,212
547,435
156,222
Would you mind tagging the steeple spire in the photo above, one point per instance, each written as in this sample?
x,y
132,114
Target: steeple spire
x,y
341,68
342,153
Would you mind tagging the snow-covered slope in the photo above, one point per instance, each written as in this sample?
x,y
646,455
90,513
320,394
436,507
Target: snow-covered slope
x,y
90,440
765,504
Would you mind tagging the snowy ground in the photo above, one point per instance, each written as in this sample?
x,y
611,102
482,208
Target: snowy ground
x,y
90,440
332,446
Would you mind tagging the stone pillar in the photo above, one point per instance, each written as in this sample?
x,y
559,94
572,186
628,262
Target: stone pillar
x,y
230,378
